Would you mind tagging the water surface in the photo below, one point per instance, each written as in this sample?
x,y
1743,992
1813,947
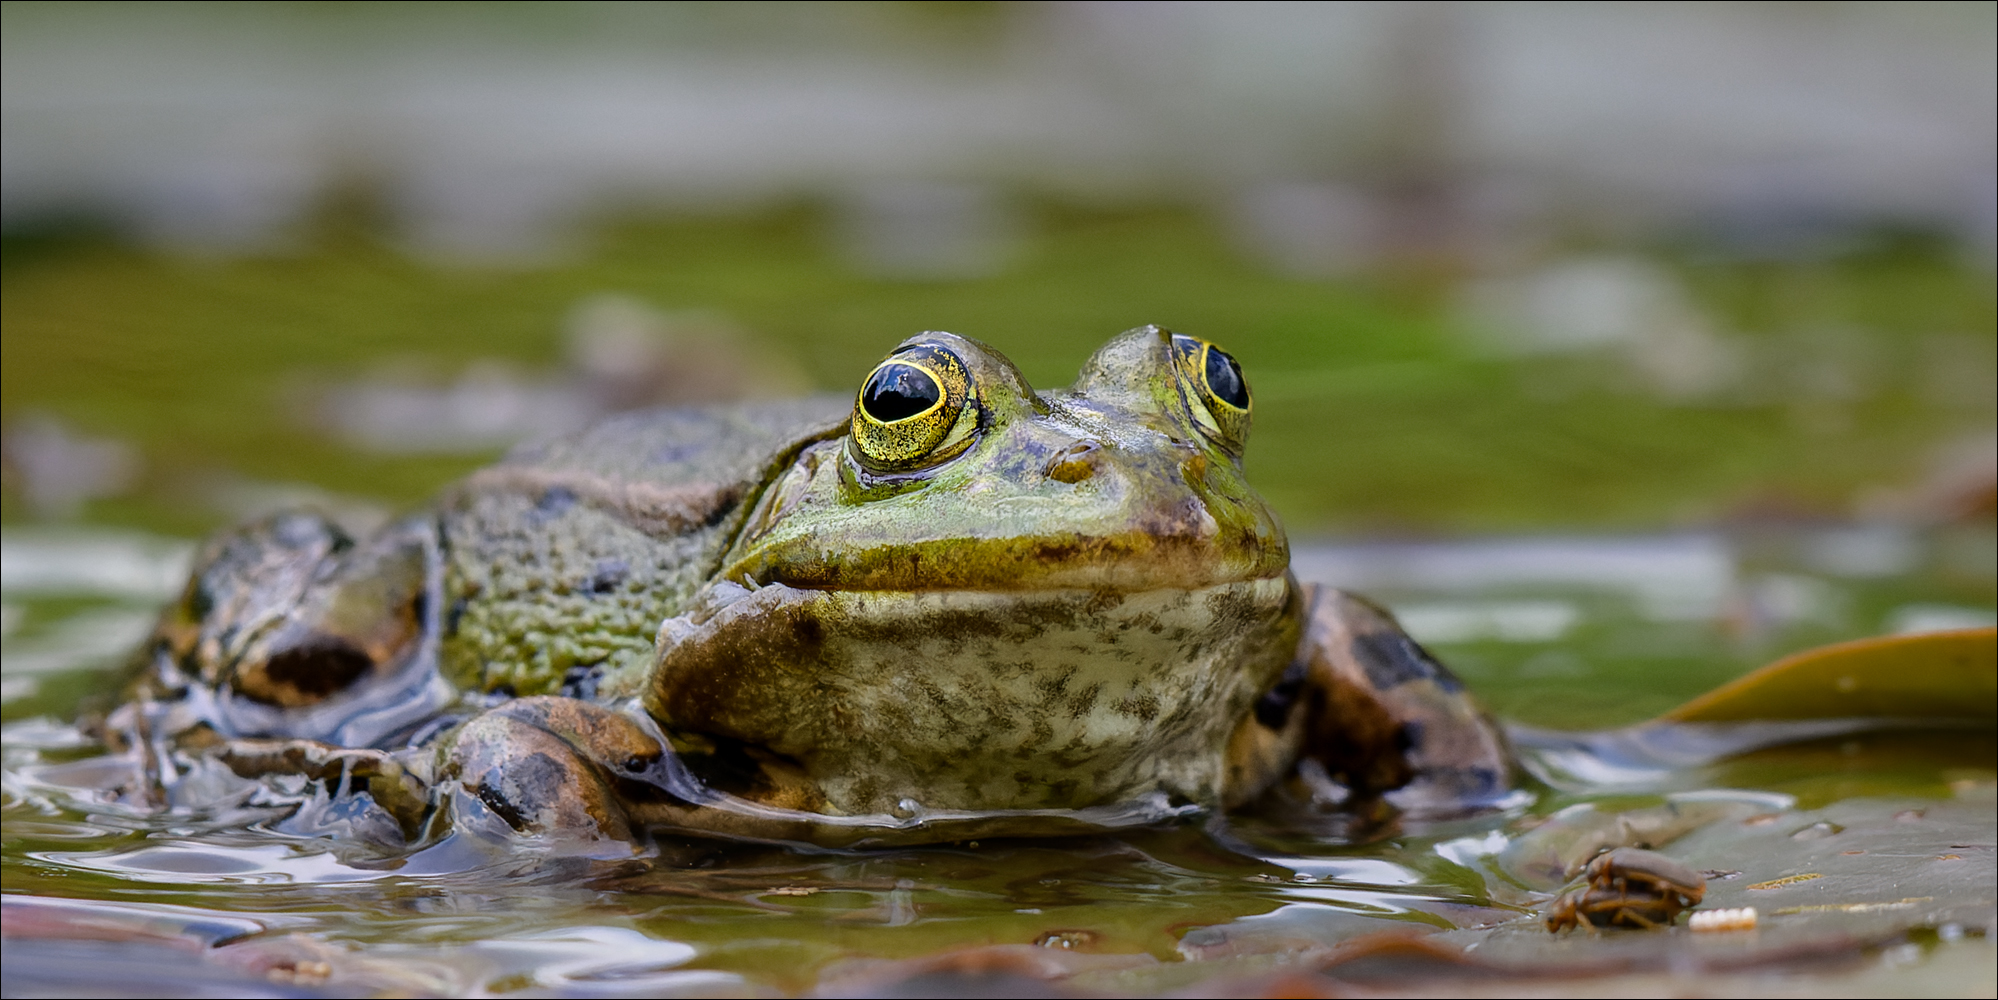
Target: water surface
x,y
1869,854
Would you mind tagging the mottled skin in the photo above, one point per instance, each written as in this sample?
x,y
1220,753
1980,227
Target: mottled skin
x,y
1011,612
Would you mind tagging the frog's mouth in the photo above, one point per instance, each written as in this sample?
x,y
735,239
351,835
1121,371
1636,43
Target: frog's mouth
x,y
975,699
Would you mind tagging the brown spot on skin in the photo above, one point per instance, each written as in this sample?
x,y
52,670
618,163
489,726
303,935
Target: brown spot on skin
x,y
1185,523
1074,463
1193,471
1146,708
1056,552
1055,687
310,671
1079,706
1043,732
808,633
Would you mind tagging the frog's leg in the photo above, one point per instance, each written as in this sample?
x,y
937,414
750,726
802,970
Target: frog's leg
x,y
519,762
560,769
542,765
1378,714
291,644
620,774
288,628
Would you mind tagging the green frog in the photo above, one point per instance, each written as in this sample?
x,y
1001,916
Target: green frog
x,y
951,607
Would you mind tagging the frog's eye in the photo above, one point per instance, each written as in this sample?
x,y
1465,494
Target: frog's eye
x,y
1215,391
912,410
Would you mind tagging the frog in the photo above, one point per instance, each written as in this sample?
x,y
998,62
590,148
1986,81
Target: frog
x,y
949,606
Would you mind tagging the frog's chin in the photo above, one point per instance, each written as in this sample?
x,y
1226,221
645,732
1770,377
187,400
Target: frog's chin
x,y
1047,699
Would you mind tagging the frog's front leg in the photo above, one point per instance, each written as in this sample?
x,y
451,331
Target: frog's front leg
x,y
578,771
1377,712
556,769
546,766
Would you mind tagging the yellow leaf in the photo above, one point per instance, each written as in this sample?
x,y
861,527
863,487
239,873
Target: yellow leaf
x,y
1933,675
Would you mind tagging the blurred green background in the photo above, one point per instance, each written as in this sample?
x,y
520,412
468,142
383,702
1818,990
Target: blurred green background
x,y
1379,409
1490,269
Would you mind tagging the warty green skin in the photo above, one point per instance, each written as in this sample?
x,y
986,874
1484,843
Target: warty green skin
x,y
1083,607
567,555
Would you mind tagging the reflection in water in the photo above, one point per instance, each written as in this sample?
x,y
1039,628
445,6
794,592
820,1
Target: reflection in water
x,y
283,888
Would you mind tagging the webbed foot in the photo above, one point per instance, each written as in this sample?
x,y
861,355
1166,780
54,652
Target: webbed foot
x,y
400,792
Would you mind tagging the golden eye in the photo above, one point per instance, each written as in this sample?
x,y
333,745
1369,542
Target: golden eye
x,y
1215,391
912,410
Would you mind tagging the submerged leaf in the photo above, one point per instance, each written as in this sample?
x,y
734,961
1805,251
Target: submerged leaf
x,y
1935,675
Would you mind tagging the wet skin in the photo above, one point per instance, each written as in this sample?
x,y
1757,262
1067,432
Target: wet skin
x,y
953,607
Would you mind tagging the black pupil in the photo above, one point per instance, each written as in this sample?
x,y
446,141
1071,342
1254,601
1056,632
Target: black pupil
x,y
897,392
1224,379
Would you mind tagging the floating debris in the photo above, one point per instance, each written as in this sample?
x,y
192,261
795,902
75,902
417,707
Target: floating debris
x,y
1778,883
1899,904
1737,919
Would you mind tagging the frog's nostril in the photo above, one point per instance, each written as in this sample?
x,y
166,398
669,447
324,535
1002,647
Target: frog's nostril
x,y
1074,463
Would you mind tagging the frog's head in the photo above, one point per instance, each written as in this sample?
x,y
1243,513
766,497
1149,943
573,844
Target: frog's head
x,y
982,596
955,475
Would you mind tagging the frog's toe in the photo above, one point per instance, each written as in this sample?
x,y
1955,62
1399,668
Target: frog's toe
x,y
402,794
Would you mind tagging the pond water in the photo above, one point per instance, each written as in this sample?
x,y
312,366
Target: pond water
x,y
1869,854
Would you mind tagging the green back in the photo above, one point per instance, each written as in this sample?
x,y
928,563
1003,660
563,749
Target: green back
x,y
561,561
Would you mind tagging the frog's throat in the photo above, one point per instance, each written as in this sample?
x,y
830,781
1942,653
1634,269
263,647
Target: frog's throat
x,y
980,699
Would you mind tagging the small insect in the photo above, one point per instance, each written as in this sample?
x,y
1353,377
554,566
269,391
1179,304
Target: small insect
x,y
1599,907
1628,888
1653,873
